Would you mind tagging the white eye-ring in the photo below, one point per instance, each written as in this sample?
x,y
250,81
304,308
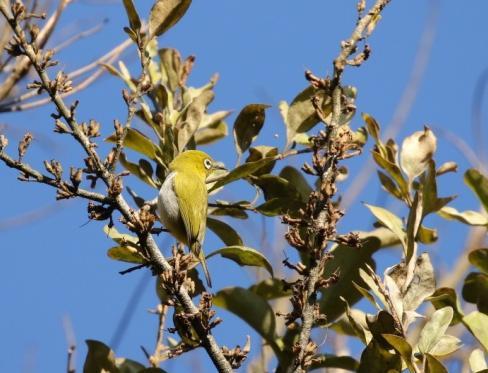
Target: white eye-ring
x,y
207,163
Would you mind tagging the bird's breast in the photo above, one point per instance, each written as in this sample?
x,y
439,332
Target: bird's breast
x,y
169,210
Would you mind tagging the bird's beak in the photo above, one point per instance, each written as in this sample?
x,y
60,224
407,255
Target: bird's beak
x,y
219,166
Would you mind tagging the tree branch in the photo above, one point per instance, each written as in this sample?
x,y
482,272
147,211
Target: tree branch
x,y
160,264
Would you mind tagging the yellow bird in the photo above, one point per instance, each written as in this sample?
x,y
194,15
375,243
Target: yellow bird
x,y
183,200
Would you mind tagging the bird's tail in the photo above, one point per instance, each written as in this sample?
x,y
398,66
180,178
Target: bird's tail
x,y
198,252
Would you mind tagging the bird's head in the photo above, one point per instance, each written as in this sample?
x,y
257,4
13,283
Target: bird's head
x,y
197,162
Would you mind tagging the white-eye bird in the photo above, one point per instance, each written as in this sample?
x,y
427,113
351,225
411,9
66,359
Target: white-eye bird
x,y
183,201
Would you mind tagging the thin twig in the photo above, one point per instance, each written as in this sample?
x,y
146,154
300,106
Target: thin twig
x,y
160,264
306,347
405,103
23,65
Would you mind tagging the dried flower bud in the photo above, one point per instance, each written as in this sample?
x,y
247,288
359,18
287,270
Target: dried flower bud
x,y
76,175
93,128
60,127
13,48
116,187
3,142
90,165
99,212
24,145
119,130
34,32
126,96
18,10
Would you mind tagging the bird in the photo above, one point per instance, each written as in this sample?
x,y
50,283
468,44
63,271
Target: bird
x,y
183,201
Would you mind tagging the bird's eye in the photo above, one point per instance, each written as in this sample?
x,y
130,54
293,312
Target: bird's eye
x,y
207,163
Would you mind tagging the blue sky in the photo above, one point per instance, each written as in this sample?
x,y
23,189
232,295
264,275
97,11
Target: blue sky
x,y
55,268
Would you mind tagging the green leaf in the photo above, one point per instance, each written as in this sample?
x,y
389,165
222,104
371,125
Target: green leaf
x,y
390,221
130,366
413,224
192,118
164,14
372,126
348,261
271,288
126,254
334,361
390,186
434,329
225,232
467,217
138,142
366,294
393,170
402,347
479,184
247,125
427,235
244,256
137,170
210,134
376,359
240,302
134,20
99,358
170,65
477,361
433,365
476,322
260,152
120,238
479,258
475,290
444,297
229,209
301,115
297,179
276,206
242,171
446,346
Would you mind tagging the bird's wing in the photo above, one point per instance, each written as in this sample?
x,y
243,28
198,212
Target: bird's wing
x,y
192,200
